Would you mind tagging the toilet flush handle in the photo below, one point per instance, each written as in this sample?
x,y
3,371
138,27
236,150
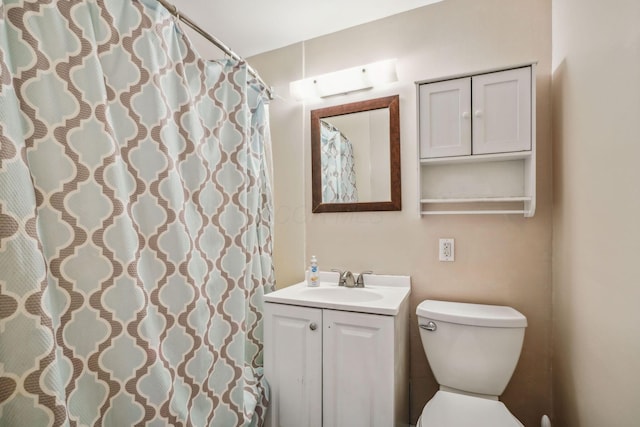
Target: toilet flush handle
x,y
431,326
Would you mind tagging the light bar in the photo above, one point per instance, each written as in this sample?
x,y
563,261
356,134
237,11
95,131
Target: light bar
x,y
345,81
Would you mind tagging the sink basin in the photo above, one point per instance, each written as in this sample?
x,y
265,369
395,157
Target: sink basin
x,y
341,294
382,294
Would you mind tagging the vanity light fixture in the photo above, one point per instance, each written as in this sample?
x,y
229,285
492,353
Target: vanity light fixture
x,y
345,81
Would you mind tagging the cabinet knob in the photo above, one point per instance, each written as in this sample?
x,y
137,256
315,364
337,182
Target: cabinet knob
x,y
478,113
466,115
313,326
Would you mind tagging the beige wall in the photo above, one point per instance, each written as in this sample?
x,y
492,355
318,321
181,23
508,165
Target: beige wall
x,y
502,259
596,249
278,68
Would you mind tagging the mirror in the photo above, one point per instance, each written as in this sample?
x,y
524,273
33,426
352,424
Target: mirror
x,y
355,156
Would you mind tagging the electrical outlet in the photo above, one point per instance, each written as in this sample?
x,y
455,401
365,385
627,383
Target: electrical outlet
x,y
447,250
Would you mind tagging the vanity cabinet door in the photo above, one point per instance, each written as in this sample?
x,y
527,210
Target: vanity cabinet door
x,y
502,111
293,365
358,375
445,118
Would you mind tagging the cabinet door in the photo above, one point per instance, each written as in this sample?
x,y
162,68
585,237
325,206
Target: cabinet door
x,y
445,120
358,374
293,365
502,111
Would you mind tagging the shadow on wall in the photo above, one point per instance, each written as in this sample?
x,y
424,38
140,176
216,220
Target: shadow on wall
x,y
563,381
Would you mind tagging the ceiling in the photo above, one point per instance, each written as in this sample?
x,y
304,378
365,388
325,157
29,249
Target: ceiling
x,y
250,27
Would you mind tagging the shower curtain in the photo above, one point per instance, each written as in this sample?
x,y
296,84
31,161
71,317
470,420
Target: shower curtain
x,y
135,222
338,166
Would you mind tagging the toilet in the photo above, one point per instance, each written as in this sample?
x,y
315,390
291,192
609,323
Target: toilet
x,y
473,350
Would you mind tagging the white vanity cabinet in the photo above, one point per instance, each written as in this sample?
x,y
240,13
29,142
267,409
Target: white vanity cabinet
x,y
358,369
336,368
293,365
477,143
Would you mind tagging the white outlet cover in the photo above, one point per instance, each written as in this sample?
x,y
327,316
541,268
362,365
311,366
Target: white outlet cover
x,y
446,250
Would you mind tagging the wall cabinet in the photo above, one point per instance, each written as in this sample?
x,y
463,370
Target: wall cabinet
x,y
477,143
334,368
445,118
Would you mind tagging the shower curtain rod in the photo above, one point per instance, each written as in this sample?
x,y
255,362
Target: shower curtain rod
x,y
175,12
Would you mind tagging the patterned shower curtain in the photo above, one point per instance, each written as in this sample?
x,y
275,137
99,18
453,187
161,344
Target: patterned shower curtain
x,y
135,222
338,166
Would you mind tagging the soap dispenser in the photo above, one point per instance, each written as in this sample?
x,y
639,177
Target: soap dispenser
x,y
314,278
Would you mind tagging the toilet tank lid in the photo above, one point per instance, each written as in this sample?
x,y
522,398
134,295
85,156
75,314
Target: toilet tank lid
x,y
497,316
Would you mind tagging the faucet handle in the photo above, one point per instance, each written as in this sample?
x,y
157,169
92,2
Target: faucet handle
x,y
360,281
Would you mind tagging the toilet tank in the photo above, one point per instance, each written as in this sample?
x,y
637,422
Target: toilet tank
x,y
473,347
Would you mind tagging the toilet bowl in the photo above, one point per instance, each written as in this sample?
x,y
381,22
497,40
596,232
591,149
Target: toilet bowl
x,y
473,350
447,409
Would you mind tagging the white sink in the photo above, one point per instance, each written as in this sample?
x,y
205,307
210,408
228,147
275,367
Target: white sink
x,y
341,294
382,294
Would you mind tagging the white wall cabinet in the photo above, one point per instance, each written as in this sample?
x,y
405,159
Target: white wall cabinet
x,y
477,143
445,118
502,111
334,368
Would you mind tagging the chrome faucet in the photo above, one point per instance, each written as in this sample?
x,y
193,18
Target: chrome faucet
x,y
346,278
349,281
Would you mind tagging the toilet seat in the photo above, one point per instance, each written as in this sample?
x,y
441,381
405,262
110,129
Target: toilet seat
x,y
448,409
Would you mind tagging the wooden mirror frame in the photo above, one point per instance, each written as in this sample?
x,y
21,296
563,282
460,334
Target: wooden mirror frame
x,y
395,204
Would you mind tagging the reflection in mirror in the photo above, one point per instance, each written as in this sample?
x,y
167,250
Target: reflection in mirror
x,y
339,183
356,156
